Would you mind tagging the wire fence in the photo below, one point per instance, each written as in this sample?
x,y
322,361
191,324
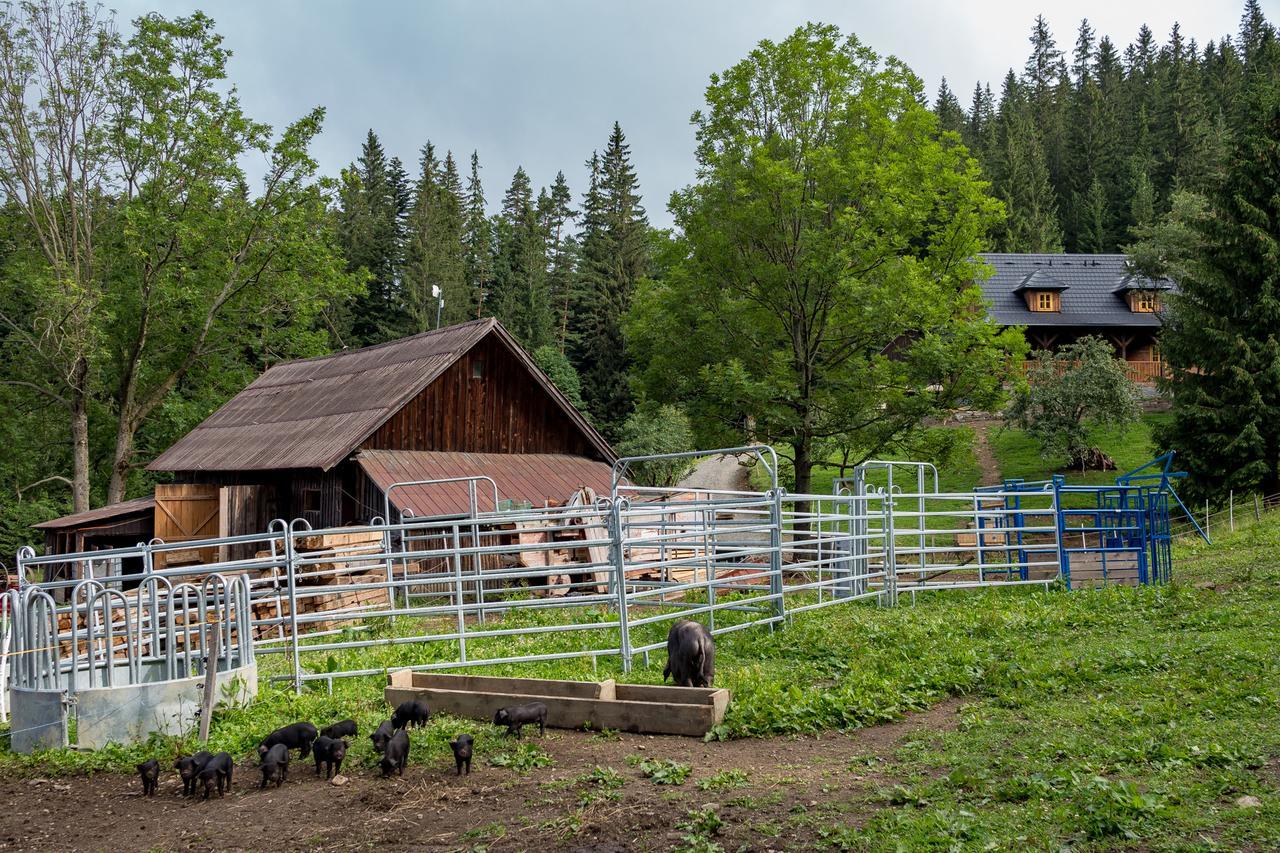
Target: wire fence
x,y
602,579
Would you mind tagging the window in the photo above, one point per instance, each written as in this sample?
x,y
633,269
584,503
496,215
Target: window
x,y
1043,300
1155,354
310,499
1143,301
477,368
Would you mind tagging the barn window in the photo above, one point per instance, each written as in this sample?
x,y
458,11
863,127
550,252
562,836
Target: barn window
x,y
310,499
477,368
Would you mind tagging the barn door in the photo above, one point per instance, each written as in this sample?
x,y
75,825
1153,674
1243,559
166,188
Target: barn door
x,y
184,512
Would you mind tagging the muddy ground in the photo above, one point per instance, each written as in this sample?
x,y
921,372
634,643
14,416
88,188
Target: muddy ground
x,y
796,789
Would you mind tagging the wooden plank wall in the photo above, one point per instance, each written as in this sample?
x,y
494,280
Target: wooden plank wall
x,y
503,410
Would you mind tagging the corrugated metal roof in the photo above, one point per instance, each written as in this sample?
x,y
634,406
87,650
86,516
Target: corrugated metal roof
x,y
533,477
313,412
102,513
1092,290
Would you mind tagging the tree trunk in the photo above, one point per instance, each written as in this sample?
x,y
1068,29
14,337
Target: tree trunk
x,y
120,461
803,452
79,451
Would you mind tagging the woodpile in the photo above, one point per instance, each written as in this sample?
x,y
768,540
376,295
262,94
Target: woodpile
x,y
344,568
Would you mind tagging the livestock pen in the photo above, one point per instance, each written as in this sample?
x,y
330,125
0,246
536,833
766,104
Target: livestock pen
x,y
586,580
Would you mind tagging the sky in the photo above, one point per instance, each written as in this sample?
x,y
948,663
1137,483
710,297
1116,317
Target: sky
x,y
539,83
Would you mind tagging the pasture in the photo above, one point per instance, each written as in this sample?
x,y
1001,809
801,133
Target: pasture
x,y
982,719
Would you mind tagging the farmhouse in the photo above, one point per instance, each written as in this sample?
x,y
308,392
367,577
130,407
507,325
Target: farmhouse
x,y
1059,298
341,438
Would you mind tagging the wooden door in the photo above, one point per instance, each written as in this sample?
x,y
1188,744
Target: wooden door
x,y
185,512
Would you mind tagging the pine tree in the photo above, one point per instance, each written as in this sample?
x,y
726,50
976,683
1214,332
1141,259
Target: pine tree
x,y
947,107
1021,179
614,255
519,294
434,256
477,240
369,233
557,214
1220,340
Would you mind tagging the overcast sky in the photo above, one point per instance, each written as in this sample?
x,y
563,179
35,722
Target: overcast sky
x,y
539,83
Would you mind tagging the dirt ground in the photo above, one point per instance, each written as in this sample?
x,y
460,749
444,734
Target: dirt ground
x,y
795,788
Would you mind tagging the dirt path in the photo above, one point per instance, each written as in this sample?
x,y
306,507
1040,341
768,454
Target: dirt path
x,y
987,463
794,789
719,472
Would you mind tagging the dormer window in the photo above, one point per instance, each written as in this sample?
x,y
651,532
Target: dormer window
x,y
1043,300
1143,301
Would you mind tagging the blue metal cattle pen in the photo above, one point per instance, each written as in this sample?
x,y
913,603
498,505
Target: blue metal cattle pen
x,y
1105,534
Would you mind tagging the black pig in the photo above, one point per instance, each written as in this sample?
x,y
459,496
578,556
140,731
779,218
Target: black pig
x,y
516,717
149,770
462,752
330,752
217,768
414,712
691,655
397,754
189,769
382,735
346,728
295,736
275,765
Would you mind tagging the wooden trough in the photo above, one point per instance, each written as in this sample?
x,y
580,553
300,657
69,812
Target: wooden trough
x,y
636,708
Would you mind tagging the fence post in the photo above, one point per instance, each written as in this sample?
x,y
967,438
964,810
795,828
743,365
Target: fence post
x,y
210,694
775,554
890,554
618,559
1257,509
291,571
1206,516
1231,509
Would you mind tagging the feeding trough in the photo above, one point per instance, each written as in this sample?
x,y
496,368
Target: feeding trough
x,y
637,708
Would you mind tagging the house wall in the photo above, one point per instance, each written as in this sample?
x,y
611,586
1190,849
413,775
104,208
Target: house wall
x,y
501,410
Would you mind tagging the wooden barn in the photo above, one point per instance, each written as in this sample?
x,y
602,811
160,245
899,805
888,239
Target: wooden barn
x,y
331,439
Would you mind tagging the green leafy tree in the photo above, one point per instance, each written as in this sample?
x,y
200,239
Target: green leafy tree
x,y
824,285
1220,338
57,63
561,373
1168,247
1069,392
651,430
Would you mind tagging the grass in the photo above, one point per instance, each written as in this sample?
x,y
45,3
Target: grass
x,y
1018,454
1093,720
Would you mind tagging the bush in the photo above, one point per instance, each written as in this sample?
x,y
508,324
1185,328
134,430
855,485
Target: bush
x,y
1068,392
652,430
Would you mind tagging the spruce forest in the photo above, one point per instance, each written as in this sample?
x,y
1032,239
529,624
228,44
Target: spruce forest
x,y
1098,143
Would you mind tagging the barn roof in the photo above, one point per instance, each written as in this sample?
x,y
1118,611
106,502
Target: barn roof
x,y
312,413
1092,288
138,506
533,477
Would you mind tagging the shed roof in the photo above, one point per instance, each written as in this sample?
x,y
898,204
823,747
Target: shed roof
x,y
137,506
1093,290
312,413
533,477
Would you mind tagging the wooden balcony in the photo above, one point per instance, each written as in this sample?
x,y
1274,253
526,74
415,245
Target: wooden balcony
x,y
1139,372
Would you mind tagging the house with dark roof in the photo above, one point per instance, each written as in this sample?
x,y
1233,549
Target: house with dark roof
x,y
342,438
1060,298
